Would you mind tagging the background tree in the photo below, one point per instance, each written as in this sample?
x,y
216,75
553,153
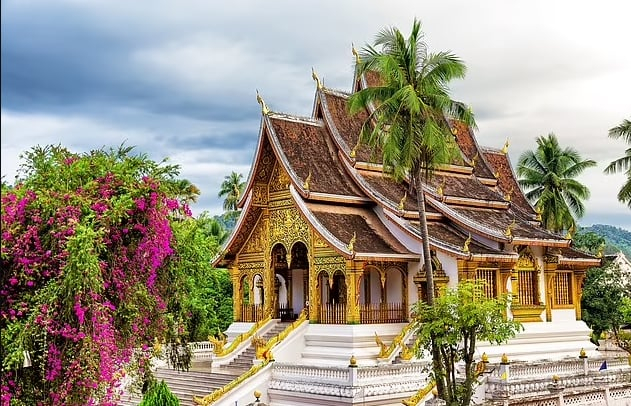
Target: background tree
x,y
458,320
548,175
231,189
159,394
409,122
89,274
622,164
408,117
602,300
589,241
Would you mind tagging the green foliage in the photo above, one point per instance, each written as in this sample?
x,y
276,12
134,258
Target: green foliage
x,y
458,320
588,241
232,189
548,175
159,394
623,164
616,238
603,298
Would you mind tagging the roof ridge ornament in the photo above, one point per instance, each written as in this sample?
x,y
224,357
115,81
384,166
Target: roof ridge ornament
x,y
351,243
509,194
315,77
505,147
259,99
474,160
538,210
401,206
439,189
496,174
465,247
354,51
509,230
353,153
307,181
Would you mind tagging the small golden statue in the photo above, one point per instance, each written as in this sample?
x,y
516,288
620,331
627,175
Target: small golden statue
x,y
218,342
383,348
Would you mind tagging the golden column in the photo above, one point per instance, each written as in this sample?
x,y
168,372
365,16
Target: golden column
x,y
577,291
237,295
549,268
352,291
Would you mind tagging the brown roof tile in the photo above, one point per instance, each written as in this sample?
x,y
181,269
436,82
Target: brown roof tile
x,y
507,181
469,147
308,148
372,236
466,187
449,235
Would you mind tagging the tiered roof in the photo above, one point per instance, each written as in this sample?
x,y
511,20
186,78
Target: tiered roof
x,y
474,206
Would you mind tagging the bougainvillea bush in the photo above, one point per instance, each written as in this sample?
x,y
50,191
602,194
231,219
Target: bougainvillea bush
x,y
89,278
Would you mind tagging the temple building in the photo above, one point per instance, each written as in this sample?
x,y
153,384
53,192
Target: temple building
x,y
325,230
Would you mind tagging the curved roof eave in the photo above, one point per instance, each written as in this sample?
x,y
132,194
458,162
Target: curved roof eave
x,y
254,167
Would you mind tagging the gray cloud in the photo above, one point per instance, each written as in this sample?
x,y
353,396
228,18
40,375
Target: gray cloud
x,y
179,81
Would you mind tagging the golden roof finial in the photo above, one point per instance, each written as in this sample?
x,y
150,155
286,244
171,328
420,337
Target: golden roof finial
x,y
497,174
315,77
259,99
509,194
351,243
440,188
538,210
465,247
601,249
402,202
474,160
505,147
454,130
353,153
570,232
509,230
357,58
305,185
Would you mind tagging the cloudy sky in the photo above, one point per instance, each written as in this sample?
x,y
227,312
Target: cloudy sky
x,y
178,79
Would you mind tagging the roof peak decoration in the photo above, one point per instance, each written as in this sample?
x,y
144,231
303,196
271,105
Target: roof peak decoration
x,y
354,51
474,160
440,189
401,206
259,99
509,194
505,147
315,77
509,230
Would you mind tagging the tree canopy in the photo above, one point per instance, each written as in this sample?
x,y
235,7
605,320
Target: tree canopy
x,y
548,175
622,131
231,189
90,275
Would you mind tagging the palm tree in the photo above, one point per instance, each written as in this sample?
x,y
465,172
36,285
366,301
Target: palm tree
x,y
232,188
548,176
409,121
622,164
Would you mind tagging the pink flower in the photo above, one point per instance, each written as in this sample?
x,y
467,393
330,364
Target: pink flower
x,y
13,281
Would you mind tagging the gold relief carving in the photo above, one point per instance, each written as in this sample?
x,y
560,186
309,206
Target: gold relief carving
x,y
551,259
249,267
318,242
287,226
256,242
274,204
330,264
265,164
526,260
280,180
259,195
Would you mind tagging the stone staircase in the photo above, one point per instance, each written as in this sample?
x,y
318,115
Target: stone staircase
x,y
197,382
244,361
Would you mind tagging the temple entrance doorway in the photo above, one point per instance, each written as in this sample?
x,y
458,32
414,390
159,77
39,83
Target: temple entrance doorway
x,y
333,297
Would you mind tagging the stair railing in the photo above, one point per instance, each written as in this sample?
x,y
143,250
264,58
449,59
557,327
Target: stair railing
x,y
220,351
388,353
265,360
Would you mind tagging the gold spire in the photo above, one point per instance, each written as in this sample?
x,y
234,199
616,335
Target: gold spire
x,y
509,230
508,195
259,99
465,247
351,243
402,202
505,147
497,174
357,58
601,248
454,130
538,210
315,77
305,185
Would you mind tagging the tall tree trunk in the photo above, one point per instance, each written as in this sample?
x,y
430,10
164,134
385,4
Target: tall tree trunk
x,y
438,367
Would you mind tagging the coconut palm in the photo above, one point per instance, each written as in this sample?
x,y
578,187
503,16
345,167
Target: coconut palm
x,y
409,112
232,188
548,176
622,164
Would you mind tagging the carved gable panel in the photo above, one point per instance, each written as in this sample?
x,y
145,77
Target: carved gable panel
x,y
280,180
287,226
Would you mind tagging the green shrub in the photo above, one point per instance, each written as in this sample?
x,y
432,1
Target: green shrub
x,y
159,394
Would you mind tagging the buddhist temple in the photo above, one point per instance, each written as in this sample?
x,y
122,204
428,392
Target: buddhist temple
x,y
326,237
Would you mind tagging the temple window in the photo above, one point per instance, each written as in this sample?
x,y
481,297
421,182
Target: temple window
x,y
489,276
563,289
528,287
